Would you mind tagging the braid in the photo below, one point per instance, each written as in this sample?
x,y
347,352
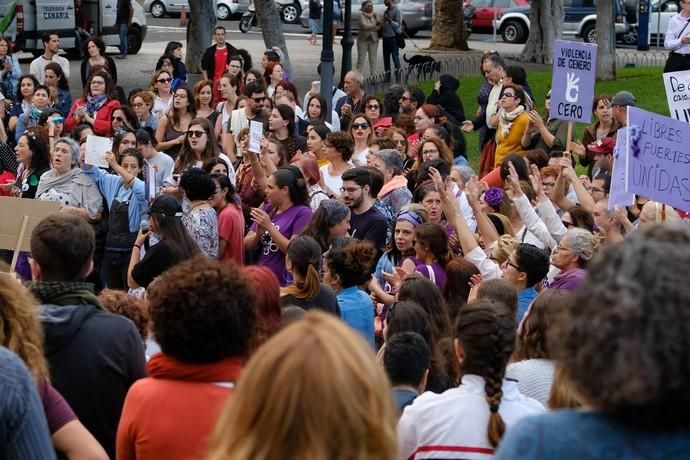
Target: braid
x,y
292,146
488,338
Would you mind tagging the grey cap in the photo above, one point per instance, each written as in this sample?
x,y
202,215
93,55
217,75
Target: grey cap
x,y
624,98
336,211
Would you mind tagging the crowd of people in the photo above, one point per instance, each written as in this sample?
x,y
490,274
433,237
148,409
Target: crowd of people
x,y
349,288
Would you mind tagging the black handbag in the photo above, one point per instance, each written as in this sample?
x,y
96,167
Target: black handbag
x,y
400,38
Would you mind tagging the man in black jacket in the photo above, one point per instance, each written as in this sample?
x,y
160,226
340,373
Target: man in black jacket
x,y
94,356
215,60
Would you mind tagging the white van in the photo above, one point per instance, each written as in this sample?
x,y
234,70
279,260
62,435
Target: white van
x,y
25,21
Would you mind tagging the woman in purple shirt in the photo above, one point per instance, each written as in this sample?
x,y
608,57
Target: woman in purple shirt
x,y
431,253
575,249
280,219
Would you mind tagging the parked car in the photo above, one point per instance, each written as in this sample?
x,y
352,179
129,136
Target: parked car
x,y
579,21
417,14
290,10
225,9
485,11
662,11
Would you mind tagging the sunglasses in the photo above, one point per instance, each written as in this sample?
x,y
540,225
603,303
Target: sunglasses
x,y
567,224
373,107
195,133
360,125
120,119
508,95
258,99
164,80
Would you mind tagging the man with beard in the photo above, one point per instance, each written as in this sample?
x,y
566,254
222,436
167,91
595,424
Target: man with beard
x,y
366,222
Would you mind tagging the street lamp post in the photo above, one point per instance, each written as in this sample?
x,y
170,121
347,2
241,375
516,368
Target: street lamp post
x,y
347,41
327,58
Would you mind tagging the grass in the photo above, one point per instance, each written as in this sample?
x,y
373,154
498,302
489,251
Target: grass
x,y
645,83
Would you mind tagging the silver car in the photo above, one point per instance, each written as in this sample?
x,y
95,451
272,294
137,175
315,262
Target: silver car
x,y
417,14
225,9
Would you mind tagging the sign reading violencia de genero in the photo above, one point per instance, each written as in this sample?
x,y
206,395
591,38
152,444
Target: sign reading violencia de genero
x,y
572,85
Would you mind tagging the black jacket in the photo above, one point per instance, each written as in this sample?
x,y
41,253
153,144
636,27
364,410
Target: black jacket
x,y
94,357
208,60
447,97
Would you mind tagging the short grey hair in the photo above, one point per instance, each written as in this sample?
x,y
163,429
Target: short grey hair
x,y
391,160
73,148
465,172
359,78
582,242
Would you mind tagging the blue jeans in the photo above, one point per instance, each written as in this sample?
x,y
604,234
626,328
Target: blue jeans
x,y
390,48
124,38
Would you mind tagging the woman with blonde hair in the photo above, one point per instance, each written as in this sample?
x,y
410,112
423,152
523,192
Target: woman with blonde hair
x,y
285,407
22,333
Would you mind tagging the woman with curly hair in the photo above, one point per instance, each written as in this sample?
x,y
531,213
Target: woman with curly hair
x,y
474,416
290,382
624,345
22,333
345,270
203,318
532,362
96,104
338,148
267,305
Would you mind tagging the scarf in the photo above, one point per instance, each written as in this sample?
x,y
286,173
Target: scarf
x,y
507,119
94,103
75,184
64,293
395,183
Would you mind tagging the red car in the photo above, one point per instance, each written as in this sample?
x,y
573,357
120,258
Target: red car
x,y
484,12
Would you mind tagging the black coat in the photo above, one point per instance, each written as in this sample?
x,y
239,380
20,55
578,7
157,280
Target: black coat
x,y
208,60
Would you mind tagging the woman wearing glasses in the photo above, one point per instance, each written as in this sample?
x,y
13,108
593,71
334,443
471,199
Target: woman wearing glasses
x,y
123,119
161,86
574,251
142,104
172,127
95,106
513,122
361,132
198,146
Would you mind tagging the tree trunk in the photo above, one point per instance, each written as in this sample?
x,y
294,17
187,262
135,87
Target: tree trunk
x,y
546,19
606,41
202,21
272,29
448,28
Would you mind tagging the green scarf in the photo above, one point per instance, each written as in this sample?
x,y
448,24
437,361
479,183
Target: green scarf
x,y
64,293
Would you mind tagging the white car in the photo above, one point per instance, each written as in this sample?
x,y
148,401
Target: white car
x,y
225,9
662,12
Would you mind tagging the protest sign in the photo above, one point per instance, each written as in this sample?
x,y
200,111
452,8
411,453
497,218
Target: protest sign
x,y
96,146
18,217
658,158
572,86
677,85
256,132
619,196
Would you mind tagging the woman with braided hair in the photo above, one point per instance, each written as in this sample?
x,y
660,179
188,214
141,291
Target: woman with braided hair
x,y
473,417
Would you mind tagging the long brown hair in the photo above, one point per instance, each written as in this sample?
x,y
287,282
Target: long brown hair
x,y
304,253
285,395
187,157
20,329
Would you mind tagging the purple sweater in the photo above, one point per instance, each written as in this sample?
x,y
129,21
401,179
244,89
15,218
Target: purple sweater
x,y
569,280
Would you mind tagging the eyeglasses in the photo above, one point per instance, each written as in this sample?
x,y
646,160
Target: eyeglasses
x,y
349,189
560,248
428,153
567,224
509,263
118,119
418,118
180,96
360,125
195,133
405,98
507,95
164,80
399,141
373,107
548,184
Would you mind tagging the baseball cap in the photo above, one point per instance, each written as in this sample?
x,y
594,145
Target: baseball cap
x,y
624,98
603,146
166,205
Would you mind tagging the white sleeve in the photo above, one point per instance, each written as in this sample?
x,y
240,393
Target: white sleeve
x,y
551,219
407,435
532,221
65,66
467,212
487,267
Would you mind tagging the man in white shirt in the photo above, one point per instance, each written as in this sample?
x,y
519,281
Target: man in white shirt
x,y
51,45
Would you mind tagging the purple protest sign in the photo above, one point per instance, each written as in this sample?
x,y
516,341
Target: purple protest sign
x,y
572,84
658,158
619,195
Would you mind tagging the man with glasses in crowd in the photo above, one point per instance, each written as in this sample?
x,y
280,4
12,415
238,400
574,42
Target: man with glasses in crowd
x,y
366,222
253,111
411,100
